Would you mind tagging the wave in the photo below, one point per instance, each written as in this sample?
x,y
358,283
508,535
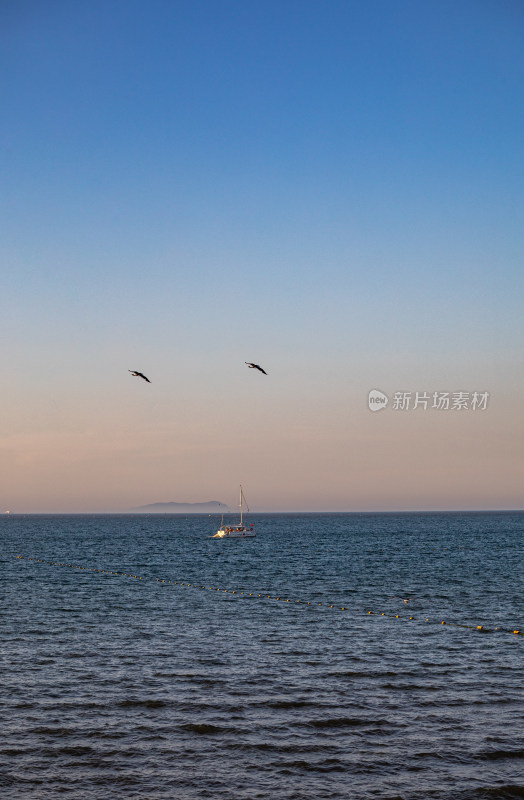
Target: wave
x,y
507,792
329,765
142,703
45,730
75,750
346,722
495,755
204,729
278,704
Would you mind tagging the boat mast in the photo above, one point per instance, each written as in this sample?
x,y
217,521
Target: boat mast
x,y
241,505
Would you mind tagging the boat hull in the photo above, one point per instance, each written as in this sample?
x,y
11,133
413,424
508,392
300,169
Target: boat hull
x,y
243,533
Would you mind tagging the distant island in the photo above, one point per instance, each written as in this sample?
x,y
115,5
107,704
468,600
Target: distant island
x,y
212,507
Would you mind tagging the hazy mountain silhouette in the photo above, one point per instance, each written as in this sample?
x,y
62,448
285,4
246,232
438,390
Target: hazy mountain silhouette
x,y
211,507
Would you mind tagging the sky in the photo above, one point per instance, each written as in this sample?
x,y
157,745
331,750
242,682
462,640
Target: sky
x,y
332,190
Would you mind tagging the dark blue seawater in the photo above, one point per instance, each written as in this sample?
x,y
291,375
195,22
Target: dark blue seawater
x,y
115,686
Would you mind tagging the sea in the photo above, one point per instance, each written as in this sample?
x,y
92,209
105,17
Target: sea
x,y
368,656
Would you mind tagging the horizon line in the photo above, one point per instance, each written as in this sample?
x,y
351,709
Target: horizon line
x,y
295,511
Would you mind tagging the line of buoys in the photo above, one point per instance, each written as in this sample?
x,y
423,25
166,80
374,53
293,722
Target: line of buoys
x,y
480,628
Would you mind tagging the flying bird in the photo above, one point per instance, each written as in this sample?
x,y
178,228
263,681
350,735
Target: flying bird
x,y
255,366
138,375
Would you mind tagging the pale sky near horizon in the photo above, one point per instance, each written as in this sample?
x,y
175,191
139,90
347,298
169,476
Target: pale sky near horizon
x,y
333,190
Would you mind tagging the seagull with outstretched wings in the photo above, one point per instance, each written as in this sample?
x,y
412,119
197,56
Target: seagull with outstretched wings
x,y
255,366
138,375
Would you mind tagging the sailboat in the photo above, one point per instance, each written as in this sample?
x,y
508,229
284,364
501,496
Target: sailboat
x,y
240,530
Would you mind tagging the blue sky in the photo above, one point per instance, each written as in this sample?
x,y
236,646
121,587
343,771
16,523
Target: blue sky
x,y
331,189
